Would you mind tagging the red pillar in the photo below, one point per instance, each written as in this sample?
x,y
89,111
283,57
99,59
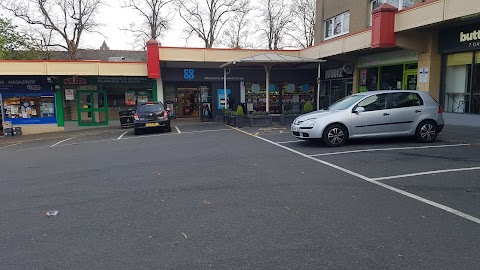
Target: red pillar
x,y
383,27
153,59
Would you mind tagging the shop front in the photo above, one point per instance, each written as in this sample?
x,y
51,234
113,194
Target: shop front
x,y
28,103
336,83
94,101
460,50
189,90
395,70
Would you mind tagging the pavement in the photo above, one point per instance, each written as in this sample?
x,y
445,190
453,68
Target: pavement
x,y
207,196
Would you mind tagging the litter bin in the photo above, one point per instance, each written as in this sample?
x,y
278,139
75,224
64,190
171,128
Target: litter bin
x,y
126,118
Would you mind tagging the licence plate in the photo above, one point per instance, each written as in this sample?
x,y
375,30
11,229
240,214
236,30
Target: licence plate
x,y
151,124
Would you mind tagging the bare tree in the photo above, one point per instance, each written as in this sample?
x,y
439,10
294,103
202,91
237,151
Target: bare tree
x,y
304,21
206,18
238,29
68,19
276,19
155,20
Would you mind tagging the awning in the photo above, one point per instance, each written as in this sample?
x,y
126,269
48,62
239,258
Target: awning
x,y
267,61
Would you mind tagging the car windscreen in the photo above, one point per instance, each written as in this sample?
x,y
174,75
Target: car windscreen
x,y
345,102
150,108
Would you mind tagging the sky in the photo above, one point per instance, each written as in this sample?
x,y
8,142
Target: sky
x,y
114,17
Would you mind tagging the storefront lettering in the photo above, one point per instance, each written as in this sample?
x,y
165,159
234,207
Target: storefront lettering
x,y
34,87
474,44
334,73
16,82
475,35
221,78
75,81
121,80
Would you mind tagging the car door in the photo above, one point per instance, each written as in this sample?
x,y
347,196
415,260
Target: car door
x,y
374,120
407,107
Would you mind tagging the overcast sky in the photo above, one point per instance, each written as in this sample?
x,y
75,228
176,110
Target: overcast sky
x,y
114,17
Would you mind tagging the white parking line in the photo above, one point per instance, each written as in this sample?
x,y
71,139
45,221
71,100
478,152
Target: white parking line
x,y
62,141
389,149
121,136
10,145
289,142
178,130
399,191
425,173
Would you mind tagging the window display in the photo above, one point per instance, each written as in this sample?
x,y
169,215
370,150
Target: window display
x,y
25,108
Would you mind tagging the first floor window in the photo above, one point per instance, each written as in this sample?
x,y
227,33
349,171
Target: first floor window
x,y
400,4
337,26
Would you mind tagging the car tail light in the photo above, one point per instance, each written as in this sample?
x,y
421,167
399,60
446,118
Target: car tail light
x,y
440,110
135,116
165,114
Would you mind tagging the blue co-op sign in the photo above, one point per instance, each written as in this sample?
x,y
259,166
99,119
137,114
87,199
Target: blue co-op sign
x,y
189,74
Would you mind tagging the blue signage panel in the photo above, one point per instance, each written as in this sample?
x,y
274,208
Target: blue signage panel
x,y
24,85
221,98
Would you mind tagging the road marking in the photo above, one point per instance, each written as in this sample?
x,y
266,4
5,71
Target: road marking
x,y
399,191
425,173
389,149
256,134
10,145
289,142
62,141
121,136
178,130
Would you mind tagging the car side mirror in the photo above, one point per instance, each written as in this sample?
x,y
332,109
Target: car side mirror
x,y
359,110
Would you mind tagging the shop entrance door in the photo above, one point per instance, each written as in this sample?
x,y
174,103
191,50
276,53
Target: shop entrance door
x,y
92,109
410,80
188,102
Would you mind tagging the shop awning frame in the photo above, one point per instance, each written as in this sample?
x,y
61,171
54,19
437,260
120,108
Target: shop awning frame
x,y
268,61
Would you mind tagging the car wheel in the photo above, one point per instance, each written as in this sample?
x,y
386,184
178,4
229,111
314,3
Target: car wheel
x,y
335,135
168,129
426,132
137,132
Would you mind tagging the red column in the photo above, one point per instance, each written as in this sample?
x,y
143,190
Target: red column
x,y
153,59
383,27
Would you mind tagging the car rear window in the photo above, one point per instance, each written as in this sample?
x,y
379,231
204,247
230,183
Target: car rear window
x,y
406,99
154,107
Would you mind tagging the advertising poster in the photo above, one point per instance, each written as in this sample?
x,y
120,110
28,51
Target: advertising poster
x,y
130,98
69,94
363,77
221,98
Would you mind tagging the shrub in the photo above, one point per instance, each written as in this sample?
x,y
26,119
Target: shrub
x,y
308,107
239,111
226,111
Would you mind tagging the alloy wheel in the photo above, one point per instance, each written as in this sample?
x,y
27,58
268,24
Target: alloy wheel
x,y
427,132
336,136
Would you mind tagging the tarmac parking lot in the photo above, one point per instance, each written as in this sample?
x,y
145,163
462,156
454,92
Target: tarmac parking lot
x,y
208,195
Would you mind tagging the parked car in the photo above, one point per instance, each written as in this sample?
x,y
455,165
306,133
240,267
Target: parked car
x,y
373,114
151,115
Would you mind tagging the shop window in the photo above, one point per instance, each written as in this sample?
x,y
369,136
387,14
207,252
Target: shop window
x,y
368,79
457,96
476,85
400,4
391,77
337,26
27,109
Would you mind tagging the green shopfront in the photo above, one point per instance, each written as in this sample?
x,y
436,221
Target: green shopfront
x,y
96,101
395,70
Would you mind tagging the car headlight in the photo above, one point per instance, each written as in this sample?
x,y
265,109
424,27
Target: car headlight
x,y
309,122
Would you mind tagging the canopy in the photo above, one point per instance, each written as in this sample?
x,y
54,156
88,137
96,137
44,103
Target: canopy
x,y
269,60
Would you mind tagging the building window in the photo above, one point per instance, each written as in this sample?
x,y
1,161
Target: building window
x,y
337,26
400,4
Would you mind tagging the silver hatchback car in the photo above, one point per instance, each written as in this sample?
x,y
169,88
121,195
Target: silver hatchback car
x,y
373,114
